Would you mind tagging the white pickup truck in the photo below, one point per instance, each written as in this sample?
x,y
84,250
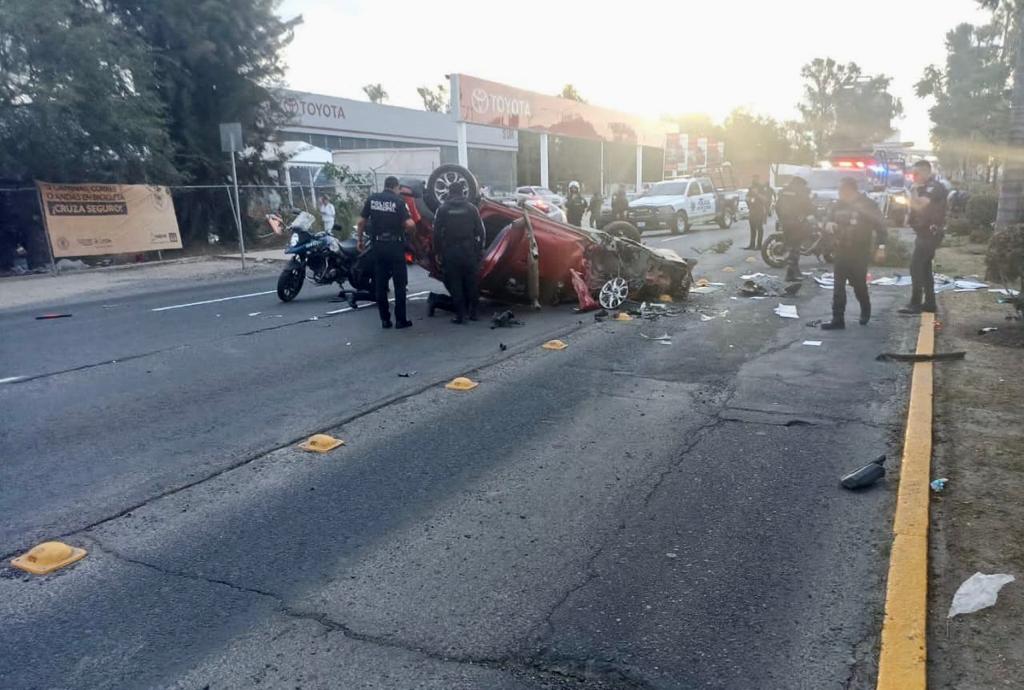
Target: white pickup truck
x,y
679,204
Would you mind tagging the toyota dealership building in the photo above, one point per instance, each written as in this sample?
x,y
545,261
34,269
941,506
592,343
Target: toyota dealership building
x,y
507,136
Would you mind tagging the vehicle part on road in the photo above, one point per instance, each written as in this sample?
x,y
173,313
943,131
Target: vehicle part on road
x,y
613,293
407,374
461,384
555,345
579,284
47,317
321,443
865,476
47,557
622,228
978,592
502,346
787,311
720,247
504,320
939,485
441,181
937,357
990,329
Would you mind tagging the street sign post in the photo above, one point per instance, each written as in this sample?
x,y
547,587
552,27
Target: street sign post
x,y
230,142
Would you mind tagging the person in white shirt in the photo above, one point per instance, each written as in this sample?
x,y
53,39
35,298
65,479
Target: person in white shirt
x,y
327,212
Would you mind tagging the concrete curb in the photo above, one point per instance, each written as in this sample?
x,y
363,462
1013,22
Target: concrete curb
x,y
904,651
106,269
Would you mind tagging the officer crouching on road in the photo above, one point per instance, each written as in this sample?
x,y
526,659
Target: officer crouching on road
x,y
575,205
796,213
459,238
856,222
928,220
389,220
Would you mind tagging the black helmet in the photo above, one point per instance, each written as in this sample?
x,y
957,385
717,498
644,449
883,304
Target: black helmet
x,y
457,190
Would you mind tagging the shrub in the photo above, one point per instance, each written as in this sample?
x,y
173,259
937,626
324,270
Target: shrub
x,y
981,210
981,235
960,227
1005,258
897,253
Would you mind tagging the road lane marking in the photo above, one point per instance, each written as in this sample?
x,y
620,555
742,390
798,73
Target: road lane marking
x,y
11,379
212,301
408,298
904,650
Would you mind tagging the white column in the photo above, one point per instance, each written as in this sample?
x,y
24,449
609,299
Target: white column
x,y
463,144
544,159
639,166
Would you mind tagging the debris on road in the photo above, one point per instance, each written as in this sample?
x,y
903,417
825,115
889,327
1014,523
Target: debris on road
x,y
815,323
865,476
407,374
939,485
461,383
787,311
717,248
763,285
48,317
505,319
990,329
978,592
813,343
321,443
910,357
255,313
658,337
583,296
502,346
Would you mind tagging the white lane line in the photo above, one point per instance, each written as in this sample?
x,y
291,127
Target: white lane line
x,y
408,298
212,301
11,379
669,239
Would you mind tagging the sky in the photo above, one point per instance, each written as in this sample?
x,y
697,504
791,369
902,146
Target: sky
x,y
648,57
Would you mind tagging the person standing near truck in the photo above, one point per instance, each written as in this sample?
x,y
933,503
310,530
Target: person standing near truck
x,y
596,201
796,212
758,201
388,217
858,227
928,221
620,203
575,205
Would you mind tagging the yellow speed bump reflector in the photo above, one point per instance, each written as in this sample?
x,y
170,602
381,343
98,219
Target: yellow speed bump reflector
x,y
47,557
461,384
665,298
728,269
321,443
623,316
751,260
555,345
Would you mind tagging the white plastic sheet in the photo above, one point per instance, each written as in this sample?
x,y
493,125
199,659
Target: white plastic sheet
x,y
978,592
787,311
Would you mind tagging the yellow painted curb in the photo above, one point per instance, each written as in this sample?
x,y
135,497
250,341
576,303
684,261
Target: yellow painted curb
x,y
904,652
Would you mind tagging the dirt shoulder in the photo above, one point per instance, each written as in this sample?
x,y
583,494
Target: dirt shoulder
x,y
977,523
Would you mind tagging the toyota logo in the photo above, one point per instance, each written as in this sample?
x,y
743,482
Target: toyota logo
x,y
290,106
479,100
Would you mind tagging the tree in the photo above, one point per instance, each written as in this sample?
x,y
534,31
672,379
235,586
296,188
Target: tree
x,y
753,138
435,100
971,97
78,102
844,107
214,61
375,92
569,92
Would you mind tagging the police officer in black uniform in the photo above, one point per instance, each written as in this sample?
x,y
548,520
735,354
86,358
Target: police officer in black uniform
x,y
388,219
796,213
928,220
759,198
596,201
575,205
620,204
859,228
459,238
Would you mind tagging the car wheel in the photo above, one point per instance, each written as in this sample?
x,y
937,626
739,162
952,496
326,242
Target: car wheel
x,y
441,181
681,223
726,220
774,250
621,228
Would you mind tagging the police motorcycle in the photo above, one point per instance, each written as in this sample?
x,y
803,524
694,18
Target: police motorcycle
x,y
324,259
820,243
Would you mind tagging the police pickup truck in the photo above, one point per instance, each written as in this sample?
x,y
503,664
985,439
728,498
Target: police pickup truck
x,y
679,204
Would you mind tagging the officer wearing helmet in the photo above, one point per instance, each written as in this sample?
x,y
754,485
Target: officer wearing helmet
x,y
459,239
575,205
796,213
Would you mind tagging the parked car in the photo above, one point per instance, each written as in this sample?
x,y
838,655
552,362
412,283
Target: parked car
x,y
679,204
543,193
824,186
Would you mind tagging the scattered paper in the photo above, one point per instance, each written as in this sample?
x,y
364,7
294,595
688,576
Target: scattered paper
x,y
658,337
706,290
1007,292
813,343
978,592
787,311
755,276
826,280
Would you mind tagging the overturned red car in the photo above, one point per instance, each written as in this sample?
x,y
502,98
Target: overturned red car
x,y
517,238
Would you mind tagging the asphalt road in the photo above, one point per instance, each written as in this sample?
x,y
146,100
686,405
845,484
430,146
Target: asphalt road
x,y
623,513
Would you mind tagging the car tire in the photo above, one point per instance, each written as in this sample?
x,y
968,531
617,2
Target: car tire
x,y
726,220
436,191
774,251
680,224
621,228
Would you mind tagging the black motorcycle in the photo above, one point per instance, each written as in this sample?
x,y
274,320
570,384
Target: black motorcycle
x,y
819,243
326,260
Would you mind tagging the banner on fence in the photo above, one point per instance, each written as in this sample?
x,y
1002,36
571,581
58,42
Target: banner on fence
x,y
90,219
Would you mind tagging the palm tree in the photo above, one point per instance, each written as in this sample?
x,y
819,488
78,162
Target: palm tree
x,y
375,92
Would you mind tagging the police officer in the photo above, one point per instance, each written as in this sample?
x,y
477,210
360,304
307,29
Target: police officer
x,y
928,220
858,227
759,199
796,213
596,201
575,205
620,204
459,242
388,218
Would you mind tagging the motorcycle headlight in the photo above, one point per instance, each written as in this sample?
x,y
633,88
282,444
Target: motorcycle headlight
x,y
295,239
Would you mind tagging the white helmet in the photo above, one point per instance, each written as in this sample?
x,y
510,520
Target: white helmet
x,y
575,184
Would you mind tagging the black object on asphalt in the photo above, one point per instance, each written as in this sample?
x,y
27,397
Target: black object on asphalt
x,y
865,476
502,346
937,357
407,374
504,320
47,317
